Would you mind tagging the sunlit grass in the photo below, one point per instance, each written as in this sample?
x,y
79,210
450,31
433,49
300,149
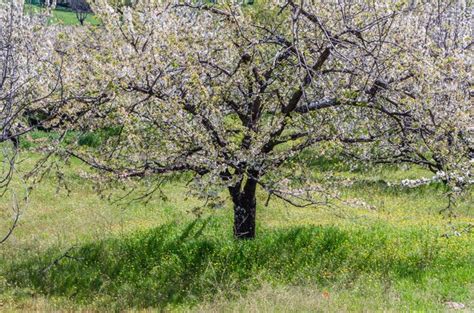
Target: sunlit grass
x,y
384,221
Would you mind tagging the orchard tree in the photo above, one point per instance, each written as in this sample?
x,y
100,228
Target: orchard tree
x,y
435,43
235,94
50,4
30,76
81,8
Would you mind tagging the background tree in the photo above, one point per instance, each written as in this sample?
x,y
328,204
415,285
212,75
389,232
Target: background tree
x,y
30,76
81,8
435,44
234,96
50,4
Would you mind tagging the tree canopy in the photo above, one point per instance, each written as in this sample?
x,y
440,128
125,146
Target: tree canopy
x,y
235,94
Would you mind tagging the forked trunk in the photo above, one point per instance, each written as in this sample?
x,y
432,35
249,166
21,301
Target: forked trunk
x,y
245,206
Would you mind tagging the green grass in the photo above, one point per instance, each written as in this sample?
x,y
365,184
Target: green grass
x,y
172,265
379,249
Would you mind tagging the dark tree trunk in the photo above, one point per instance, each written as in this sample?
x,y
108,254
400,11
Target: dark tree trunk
x,y
245,205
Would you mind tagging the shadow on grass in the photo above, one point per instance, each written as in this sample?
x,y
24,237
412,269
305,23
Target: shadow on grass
x,y
175,264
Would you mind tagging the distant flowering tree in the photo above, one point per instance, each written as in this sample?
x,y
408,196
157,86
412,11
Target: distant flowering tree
x,y
234,94
30,72
81,8
50,4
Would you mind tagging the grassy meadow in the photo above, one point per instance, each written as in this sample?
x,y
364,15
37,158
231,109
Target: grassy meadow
x,y
381,247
